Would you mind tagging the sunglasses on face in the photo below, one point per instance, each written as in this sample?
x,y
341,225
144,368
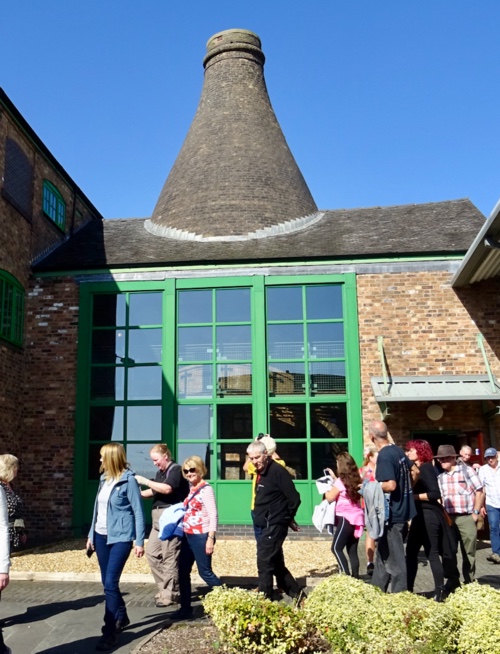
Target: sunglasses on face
x,y
187,471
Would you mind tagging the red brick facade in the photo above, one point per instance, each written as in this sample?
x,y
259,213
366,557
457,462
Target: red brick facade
x,y
428,328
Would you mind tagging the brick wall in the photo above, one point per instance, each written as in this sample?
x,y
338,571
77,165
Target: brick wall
x,y
429,329
49,398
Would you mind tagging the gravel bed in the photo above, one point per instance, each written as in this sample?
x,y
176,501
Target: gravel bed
x,y
234,558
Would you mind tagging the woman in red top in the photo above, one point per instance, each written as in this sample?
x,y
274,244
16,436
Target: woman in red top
x,y
199,526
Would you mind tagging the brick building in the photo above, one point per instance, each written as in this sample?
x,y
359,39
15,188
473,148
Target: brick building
x,y
237,307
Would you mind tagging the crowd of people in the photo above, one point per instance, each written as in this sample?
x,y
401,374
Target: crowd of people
x,y
405,499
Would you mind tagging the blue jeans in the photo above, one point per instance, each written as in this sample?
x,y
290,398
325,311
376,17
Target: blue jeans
x,y
112,559
494,522
193,549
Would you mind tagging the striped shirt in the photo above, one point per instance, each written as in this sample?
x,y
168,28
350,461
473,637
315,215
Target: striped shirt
x,y
490,478
458,488
201,511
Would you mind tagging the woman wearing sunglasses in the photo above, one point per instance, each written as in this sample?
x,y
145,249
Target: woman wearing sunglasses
x,y
199,526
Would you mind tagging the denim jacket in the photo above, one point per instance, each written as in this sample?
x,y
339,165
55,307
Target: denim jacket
x,y
125,518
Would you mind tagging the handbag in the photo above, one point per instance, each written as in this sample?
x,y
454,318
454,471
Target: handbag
x,y
324,516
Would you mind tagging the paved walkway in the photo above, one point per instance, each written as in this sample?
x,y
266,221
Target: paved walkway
x,y
65,617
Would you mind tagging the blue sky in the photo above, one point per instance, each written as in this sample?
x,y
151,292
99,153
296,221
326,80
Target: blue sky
x,y
388,102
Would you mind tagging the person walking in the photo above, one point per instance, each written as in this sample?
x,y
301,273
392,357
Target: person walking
x,y
276,503
200,526
4,557
489,476
250,469
168,487
367,472
117,521
462,497
393,474
428,528
9,467
349,514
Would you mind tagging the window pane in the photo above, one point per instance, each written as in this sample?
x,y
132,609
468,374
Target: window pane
x,y
144,345
140,461
287,378
195,344
235,421
232,458
288,421
108,310
284,303
107,383
234,379
327,377
326,340
108,346
144,383
324,455
195,381
234,342
106,423
324,302
186,450
285,341
94,462
232,305
144,423
295,457
194,422
195,306
145,309
328,421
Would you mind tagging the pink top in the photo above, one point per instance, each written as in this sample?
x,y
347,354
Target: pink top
x,y
201,513
351,511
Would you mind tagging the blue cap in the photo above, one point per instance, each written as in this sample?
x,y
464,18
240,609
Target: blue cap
x,y
490,452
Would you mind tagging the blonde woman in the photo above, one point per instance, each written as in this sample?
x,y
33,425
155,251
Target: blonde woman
x,y
9,467
199,526
117,521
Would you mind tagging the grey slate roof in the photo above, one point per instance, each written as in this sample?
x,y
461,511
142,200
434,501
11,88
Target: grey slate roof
x,y
419,229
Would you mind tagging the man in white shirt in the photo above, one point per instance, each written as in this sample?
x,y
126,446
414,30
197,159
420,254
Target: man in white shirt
x,y
489,474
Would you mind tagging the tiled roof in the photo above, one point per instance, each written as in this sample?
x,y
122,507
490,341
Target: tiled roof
x,y
418,229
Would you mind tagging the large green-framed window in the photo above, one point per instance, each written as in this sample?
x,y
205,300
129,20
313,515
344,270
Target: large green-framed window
x,y
207,364
11,308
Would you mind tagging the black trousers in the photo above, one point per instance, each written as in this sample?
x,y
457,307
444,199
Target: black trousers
x,y
426,530
344,538
271,562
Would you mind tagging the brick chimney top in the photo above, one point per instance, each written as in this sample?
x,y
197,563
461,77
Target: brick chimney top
x,y
235,177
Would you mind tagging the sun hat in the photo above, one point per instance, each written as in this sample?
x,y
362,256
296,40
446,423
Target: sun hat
x,y
490,451
444,451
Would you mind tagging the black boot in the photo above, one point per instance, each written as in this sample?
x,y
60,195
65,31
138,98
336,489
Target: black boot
x,y
440,594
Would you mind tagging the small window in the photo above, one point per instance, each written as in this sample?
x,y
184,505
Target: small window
x,y
53,204
11,308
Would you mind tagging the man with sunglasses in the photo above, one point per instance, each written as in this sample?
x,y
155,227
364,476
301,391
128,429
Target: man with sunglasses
x,y
276,503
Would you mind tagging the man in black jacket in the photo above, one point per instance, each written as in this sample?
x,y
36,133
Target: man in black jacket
x,y
276,503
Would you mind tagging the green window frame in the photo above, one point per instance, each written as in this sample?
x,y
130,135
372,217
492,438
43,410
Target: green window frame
x,y
11,309
54,206
217,392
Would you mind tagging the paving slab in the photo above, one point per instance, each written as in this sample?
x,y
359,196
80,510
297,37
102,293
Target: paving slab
x,y
54,616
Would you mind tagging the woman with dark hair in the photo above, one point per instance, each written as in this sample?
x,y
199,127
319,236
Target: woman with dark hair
x,y
428,526
349,516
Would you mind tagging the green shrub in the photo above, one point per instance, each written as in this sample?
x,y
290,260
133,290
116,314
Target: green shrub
x,y
476,609
248,622
357,618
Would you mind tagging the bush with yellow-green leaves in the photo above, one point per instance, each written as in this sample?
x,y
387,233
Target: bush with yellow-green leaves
x,y
356,618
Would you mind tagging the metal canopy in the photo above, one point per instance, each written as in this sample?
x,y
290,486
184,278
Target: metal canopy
x,y
421,389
